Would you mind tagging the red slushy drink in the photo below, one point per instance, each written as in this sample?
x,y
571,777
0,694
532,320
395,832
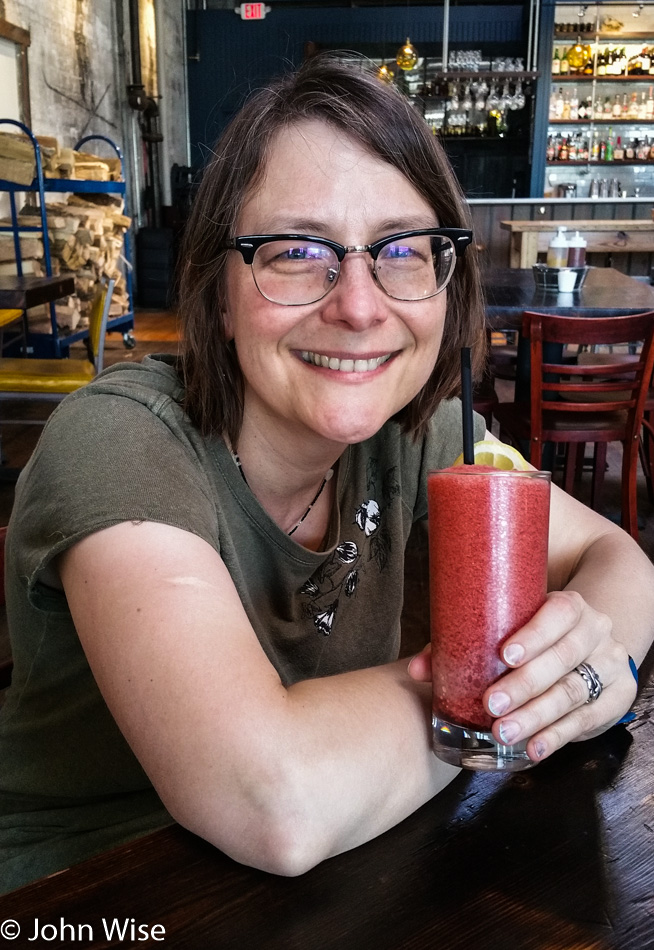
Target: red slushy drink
x,y
488,576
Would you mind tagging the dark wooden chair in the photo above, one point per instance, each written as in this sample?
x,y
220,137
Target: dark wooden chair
x,y
594,402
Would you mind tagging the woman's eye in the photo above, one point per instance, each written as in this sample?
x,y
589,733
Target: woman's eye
x,y
308,254
398,251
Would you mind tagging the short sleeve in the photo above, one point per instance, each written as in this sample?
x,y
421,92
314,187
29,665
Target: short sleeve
x,y
101,460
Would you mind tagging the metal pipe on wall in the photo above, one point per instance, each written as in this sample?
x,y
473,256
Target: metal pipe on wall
x,y
446,34
534,57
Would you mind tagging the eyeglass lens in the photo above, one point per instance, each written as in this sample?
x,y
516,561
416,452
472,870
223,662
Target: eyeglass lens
x,y
302,272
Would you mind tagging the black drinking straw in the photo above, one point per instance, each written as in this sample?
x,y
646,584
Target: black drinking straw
x,y
466,406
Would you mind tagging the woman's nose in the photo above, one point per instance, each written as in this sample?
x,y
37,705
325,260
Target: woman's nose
x,y
356,300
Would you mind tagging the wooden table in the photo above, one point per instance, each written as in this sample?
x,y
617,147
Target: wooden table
x,y
528,238
25,292
606,293
561,856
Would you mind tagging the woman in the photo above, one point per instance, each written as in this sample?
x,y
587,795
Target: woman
x,y
207,558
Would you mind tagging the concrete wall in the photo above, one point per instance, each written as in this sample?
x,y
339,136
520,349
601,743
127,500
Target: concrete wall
x,y
79,67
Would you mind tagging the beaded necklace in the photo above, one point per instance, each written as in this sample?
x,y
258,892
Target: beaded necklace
x,y
328,475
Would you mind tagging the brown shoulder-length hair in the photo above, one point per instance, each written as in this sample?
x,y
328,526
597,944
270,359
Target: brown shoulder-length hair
x,y
381,119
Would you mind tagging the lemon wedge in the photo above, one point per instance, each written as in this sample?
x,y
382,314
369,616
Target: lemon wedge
x,y
496,455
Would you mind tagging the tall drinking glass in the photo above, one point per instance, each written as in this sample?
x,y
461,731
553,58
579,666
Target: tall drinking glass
x,y
488,576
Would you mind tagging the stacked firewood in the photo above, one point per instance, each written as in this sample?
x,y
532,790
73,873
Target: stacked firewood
x,y
86,232
18,163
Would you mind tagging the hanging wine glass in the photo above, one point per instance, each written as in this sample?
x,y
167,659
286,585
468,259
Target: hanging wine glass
x,y
407,56
466,103
518,97
480,97
493,100
506,98
453,102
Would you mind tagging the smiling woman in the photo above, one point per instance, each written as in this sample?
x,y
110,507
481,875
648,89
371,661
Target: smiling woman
x,y
205,624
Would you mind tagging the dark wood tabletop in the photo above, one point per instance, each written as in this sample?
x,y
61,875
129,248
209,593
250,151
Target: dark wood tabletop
x,y
25,292
606,292
555,858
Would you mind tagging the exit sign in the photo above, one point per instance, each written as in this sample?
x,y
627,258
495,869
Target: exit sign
x,y
252,11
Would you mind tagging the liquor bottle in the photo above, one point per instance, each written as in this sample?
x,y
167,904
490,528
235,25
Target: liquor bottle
x,y
552,112
608,107
582,150
588,64
625,106
608,153
649,105
609,62
602,151
572,149
559,104
633,106
651,61
645,61
565,65
550,154
651,151
629,151
601,64
556,63
563,151
642,107
616,110
595,148
566,106
574,105
618,151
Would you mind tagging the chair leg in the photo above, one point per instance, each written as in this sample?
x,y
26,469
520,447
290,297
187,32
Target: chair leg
x,y
629,494
573,454
597,482
646,450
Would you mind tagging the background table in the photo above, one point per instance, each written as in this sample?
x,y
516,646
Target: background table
x,y
606,293
528,238
555,858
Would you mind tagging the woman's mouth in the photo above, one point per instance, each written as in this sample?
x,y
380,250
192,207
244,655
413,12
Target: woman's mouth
x,y
344,365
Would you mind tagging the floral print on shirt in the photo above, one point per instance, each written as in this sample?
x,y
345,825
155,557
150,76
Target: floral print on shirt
x,y
370,544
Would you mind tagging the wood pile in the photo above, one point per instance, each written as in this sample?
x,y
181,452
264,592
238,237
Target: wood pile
x,y
18,162
86,232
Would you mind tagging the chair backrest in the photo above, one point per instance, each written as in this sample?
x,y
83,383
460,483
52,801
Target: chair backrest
x,y
558,383
98,318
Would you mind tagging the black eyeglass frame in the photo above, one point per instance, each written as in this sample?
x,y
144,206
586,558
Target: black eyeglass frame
x,y
248,244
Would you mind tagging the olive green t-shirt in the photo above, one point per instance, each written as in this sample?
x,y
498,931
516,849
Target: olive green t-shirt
x,y
122,449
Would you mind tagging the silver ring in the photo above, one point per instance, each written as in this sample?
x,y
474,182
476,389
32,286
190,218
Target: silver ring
x,y
592,681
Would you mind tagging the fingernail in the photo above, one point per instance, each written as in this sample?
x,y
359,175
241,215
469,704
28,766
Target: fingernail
x,y
513,653
498,703
539,749
509,731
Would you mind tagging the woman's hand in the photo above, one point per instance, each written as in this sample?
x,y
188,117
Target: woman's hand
x,y
543,698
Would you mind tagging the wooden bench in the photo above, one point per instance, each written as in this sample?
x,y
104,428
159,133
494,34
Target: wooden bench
x,y
529,238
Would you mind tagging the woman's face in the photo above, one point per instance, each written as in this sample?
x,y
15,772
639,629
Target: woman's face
x,y
320,182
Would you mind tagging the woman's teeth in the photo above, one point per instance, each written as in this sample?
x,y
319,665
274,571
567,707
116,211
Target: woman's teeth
x,y
344,366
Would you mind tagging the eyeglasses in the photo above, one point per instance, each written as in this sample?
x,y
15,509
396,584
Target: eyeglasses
x,y
297,269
